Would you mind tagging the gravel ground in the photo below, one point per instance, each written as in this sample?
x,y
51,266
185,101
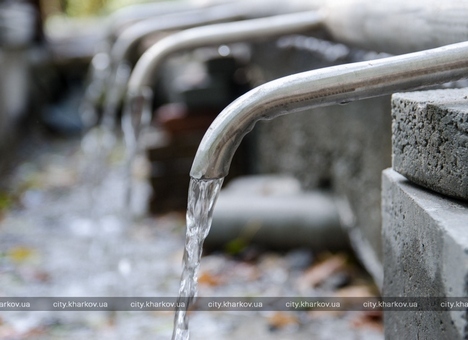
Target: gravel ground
x,y
64,231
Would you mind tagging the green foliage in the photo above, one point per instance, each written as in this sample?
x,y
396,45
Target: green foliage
x,y
6,201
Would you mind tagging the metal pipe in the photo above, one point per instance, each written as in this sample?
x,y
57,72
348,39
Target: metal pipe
x,y
128,40
130,37
118,76
149,62
334,85
133,13
109,82
156,17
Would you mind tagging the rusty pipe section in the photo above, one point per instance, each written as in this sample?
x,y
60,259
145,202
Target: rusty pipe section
x,y
334,85
216,34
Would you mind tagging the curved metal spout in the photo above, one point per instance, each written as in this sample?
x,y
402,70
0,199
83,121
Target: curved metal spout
x,y
126,42
334,85
118,75
131,36
149,62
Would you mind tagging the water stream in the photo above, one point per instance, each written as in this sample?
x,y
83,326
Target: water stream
x,y
115,92
98,74
136,117
201,201
97,146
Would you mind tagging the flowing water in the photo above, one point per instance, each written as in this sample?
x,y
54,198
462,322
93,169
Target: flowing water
x,y
201,201
136,117
97,145
115,92
99,72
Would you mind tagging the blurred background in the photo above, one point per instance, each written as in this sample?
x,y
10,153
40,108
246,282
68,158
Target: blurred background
x,y
85,213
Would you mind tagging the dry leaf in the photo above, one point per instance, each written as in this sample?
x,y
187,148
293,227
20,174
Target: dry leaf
x,y
282,320
359,292
355,291
21,253
41,276
370,319
319,272
209,279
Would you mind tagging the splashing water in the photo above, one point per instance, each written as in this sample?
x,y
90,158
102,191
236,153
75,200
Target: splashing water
x,y
201,201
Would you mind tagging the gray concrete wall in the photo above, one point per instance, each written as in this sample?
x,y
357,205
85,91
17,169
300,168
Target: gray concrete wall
x,y
425,249
342,149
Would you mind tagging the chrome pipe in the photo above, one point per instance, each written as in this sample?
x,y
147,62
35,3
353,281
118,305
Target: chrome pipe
x,y
334,85
141,20
133,13
130,37
217,34
120,68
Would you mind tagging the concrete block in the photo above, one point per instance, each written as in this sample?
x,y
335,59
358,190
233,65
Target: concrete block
x,y
273,211
425,250
430,139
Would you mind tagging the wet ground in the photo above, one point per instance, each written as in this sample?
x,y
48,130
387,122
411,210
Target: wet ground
x,y
65,231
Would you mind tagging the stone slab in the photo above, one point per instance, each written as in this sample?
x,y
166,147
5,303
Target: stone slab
x,y
425,251
430,139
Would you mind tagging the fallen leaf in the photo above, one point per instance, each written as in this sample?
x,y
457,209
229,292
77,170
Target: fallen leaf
x,y
355,291
209,279
282,320
242,241
359,292
235,246
370,319
6,201
319,272
21,254
41,276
